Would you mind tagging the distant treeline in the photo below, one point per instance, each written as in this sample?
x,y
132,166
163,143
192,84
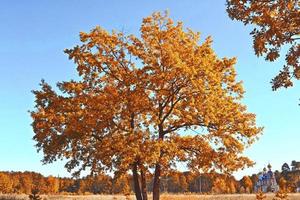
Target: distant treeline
x,y
176,182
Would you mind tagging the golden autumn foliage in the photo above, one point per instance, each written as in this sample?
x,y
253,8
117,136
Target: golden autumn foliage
x,y
247,184
282,183
219,186
277,24
260,196
145,104
5,183
280,195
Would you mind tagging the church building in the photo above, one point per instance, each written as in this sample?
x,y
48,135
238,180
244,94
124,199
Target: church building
x,y
266,181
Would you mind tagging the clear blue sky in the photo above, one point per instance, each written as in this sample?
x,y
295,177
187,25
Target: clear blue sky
x,y
34,33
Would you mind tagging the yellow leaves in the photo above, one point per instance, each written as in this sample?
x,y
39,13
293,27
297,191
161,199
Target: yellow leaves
x,y
232,144
281,194
273,13
6,186
83,36
152,100
260,196
219,186
291,5
272,32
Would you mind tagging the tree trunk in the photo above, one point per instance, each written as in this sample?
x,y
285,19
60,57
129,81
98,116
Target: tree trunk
x,y
157,172
136,184
156,182
137,189
143,184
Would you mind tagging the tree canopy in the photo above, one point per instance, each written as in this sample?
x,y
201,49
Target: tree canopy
x,y
277,25
144,104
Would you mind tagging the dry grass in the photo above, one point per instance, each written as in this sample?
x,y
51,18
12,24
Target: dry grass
x,y
222,197
13,197
163,197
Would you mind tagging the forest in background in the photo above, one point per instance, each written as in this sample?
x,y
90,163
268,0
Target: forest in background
x,y
175,182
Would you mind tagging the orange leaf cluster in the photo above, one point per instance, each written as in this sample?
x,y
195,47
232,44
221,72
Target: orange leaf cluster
x,y
277,24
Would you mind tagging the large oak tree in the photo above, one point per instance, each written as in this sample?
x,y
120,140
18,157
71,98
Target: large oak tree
x,y
144,104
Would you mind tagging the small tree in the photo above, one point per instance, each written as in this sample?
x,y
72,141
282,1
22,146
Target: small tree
x,y
282,183
219,186
246,182
281,194
145,104
35,195
285,168
260,195
232,186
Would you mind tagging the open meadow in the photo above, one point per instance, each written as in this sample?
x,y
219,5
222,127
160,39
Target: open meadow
x,y
163,197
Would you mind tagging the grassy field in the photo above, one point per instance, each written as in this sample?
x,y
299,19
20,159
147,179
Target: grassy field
x,y
163,197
